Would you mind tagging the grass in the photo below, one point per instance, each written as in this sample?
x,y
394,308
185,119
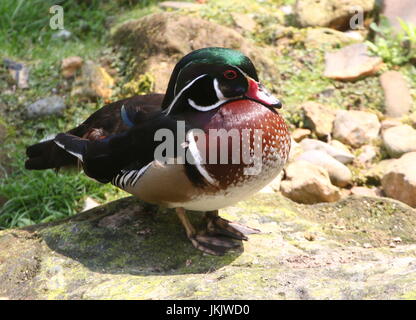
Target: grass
x,y
25,30
43,196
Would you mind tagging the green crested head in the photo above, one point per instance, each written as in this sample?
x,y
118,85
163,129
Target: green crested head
x,y
208,56
219,56
207,78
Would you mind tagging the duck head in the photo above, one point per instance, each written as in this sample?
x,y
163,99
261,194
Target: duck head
x,y
208,78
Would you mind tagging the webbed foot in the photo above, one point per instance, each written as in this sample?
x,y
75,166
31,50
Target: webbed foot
x,y
219,235
218,225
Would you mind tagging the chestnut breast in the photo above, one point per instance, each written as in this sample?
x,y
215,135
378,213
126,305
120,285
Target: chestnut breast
x,y
252,130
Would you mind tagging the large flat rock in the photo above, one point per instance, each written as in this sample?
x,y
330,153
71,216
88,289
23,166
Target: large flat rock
x,y
403,9
125,250
351,63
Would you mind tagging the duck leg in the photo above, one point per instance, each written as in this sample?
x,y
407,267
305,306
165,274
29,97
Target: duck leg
x,y
218,225
212,244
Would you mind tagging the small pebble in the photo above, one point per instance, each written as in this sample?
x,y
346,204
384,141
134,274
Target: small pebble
x,y
309,236
397,240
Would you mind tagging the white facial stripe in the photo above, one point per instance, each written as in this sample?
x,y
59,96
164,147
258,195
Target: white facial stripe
x,y
204,108
242,71
183,68
198,160
182,91
218,92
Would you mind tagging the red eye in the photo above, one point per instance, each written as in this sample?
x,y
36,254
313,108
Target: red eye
x,y
230,74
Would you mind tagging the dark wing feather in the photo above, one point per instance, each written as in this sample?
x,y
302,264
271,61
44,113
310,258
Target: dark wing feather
x,y
47,155
104,159
109,119
102,123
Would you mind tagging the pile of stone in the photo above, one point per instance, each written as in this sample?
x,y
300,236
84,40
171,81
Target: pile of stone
x,y
337,153
346,147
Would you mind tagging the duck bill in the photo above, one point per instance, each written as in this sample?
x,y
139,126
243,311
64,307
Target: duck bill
x,y
257,92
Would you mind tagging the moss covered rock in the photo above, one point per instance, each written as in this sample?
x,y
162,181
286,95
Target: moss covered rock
x,y
158,41
93,83
128,250
326,37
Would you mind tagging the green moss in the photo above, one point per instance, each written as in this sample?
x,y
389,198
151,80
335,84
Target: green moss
x,y
143,84
89,234
220,11
359,177
409,295
366,220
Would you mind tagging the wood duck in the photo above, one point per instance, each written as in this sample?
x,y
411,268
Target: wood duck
x,y
211,91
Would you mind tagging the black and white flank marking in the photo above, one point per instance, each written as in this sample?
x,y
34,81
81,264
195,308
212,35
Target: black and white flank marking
x,y
129,178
